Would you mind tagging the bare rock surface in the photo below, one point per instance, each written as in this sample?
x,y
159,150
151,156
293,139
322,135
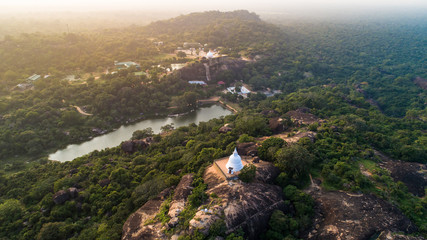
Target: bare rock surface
x,y
340,215
182,191
302,116
242,205
135,227
295,138
413,175
388,235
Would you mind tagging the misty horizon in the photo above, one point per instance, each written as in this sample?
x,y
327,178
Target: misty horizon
x,y
272,6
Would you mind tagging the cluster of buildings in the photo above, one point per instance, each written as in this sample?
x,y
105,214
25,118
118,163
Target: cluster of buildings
x,y
197,50
242,91
29,82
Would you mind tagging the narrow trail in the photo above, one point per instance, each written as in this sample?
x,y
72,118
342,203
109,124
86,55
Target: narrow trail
x,y
81,111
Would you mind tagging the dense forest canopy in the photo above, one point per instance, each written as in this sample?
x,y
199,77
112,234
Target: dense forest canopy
x,y
363,79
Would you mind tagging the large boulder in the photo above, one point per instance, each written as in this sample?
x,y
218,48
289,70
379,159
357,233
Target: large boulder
x,y
61,197
225,129
248,149
132,146
73,192
277,125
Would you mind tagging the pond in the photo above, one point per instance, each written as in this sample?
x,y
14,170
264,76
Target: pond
x,y
124,133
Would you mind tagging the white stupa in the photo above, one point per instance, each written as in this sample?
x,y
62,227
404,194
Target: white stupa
x,y
210,55
234,161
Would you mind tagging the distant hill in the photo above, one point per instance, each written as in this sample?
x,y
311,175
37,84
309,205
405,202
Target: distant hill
x,y
238,29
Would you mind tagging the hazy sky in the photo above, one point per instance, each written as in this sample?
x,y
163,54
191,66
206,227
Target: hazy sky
x,y
198,5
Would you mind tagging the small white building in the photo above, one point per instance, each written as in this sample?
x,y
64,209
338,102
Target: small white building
x,y
177,66
34,77
197,82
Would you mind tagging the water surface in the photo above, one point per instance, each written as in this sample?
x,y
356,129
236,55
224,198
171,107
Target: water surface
x,y
124,133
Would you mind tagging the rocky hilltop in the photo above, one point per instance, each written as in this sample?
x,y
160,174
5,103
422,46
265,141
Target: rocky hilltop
x,y
240,205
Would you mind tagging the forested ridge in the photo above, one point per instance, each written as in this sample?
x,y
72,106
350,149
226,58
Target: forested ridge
x,y
357,77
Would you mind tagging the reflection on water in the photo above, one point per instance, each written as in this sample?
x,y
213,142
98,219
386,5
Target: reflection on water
x,y
125,132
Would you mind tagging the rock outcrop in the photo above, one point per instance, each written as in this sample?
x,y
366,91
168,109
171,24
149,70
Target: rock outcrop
x,y
225,129
182,191
413,175
135,227
242,205
277,125
302,116
341,215
295,138
62,196
132,146
247,148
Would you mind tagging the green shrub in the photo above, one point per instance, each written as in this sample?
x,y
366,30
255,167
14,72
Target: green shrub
x,y
245,138
247,174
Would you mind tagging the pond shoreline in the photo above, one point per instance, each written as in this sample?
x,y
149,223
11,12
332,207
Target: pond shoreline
x,y
124,132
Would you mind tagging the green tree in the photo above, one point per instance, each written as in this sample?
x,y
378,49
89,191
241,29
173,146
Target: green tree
x,y
140,134
181,54
269,147
54,231
10,211
295,160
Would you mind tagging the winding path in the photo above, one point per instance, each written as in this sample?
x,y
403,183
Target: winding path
x,y
81,111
